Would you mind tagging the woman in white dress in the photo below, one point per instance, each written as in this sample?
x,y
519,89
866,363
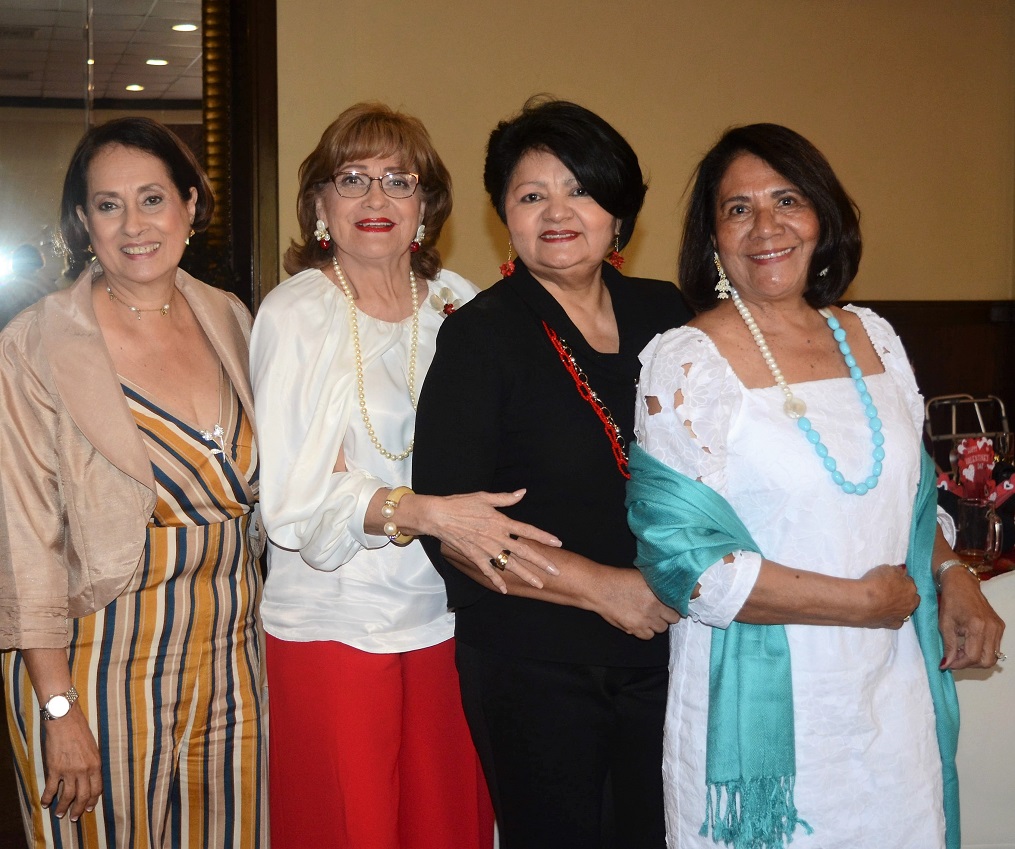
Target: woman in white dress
x,y
368,742
781,502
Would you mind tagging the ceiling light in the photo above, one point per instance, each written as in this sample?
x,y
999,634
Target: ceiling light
x,y
185,27
135,87
156,62
91,62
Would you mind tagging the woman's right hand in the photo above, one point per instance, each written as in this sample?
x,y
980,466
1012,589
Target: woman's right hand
x,y
474,525
625,601
72,764
891,597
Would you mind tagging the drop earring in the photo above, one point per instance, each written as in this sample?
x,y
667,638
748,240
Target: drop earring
x,y
722,286
615,259
187,240
322,235
416,243
508,268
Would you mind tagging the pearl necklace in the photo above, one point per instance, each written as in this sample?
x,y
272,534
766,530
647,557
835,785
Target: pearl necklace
x,y
163,310
795,408
358,353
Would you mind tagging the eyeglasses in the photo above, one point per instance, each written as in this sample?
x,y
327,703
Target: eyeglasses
x,y
353,184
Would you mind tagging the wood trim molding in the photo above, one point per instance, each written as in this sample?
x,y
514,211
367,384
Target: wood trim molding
x,y
241,144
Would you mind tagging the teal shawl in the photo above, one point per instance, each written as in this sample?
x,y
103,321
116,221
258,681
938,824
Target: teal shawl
x,y
683,527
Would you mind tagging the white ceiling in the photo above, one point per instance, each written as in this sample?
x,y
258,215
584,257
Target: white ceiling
x,y
43,49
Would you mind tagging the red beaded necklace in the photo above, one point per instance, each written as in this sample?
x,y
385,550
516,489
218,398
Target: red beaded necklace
x,y
581,382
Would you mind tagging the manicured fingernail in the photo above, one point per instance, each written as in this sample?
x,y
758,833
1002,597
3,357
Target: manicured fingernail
x,y
73,819
59,816
89,810
553,570
944,662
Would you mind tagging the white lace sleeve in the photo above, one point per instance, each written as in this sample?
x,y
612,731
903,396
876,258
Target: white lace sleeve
x,y
687,396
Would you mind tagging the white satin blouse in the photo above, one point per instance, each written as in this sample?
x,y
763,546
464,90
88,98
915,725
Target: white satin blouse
x,y
328,579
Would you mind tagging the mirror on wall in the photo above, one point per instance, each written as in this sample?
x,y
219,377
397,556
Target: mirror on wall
x,y
204,67
71,64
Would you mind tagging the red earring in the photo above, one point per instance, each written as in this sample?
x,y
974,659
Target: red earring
x,y
322,235
415,244
615,259
507,268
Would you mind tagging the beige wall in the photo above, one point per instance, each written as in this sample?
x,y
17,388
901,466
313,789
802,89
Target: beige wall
x,y
913,101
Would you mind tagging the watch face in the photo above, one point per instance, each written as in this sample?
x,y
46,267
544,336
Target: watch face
x,y
58,706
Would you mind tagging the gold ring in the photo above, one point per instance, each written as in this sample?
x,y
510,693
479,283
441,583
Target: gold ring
x,y
500,562
906,618
1000,655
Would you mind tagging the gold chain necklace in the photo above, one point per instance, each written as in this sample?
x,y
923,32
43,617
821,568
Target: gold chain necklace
x,y
163,310
358,353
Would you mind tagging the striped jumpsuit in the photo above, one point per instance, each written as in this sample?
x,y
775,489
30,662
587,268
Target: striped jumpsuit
x,y
169,673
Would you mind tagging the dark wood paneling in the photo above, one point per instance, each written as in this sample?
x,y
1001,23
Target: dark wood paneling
x,y
957,346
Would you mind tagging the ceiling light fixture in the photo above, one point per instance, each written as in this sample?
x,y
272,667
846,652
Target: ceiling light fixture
x,y
135,87
156,62
185,27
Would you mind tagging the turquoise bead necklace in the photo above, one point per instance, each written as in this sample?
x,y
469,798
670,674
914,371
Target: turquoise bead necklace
x,y
795,408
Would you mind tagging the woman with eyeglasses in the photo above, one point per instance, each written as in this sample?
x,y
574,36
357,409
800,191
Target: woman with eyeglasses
x,y
369,746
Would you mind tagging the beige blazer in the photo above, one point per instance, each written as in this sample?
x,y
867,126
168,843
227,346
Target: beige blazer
x,y
76,483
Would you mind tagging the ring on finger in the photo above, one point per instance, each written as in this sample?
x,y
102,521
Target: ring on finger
x,y
906,618
1000,655
500,562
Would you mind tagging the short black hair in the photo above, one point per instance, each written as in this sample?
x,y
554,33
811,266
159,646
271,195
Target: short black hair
x,y
837,255
599,157
142,134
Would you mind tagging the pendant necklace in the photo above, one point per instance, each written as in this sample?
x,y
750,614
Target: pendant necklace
x,y
795,408
358,355
163,310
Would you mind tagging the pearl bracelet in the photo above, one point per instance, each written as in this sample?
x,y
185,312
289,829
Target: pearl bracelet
x,y
388,510
944,567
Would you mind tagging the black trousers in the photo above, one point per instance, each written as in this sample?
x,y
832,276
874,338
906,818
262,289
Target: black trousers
x,y
572,754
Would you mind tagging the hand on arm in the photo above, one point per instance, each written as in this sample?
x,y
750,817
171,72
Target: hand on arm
x,y
474,527
970,628
70,753
620,596
883,598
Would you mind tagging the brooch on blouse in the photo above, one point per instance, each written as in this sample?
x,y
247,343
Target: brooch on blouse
x,y
445,302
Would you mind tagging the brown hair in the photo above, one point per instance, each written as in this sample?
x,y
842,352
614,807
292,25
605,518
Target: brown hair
x,y
360,132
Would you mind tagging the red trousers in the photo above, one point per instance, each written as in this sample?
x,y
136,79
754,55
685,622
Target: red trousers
x,y
371,751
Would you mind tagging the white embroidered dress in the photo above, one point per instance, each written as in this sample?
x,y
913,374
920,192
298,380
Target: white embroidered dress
x,y
868,768
327,579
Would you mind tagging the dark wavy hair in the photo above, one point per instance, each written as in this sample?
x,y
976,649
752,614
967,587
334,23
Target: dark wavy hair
x,y
599,157
361,132
839,247
142,134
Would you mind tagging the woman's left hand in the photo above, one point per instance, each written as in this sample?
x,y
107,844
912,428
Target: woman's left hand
x,y
970,627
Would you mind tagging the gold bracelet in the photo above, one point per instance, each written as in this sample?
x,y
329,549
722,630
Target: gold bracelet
x,y
944,567
388,510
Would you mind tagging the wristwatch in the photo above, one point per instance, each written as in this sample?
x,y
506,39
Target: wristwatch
x,y
59,705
